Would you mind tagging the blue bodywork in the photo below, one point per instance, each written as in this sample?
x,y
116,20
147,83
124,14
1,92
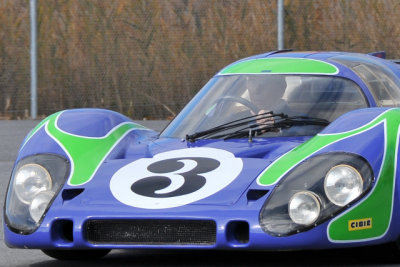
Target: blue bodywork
x,y
64,221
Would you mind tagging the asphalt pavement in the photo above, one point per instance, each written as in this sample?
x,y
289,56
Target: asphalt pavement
x,y
11,136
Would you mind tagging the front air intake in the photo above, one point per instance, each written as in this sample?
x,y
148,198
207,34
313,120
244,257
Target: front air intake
x,y
151,232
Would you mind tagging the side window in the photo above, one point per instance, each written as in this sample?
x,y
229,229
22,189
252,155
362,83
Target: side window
x,y
381,84
326,97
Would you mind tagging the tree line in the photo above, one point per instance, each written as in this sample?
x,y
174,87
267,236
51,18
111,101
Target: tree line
x,y
147,58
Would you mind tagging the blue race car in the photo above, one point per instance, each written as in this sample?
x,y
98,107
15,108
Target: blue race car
x,y
283,150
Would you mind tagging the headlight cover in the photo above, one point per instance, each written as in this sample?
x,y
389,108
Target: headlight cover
x,y
34,183
314,191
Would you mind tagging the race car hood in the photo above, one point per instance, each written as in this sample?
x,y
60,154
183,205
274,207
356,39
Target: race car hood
x,y
168,173
128,164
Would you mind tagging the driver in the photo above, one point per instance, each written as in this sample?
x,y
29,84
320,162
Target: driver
x,y
267,95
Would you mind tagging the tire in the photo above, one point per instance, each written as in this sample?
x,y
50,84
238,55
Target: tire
x,y
76,254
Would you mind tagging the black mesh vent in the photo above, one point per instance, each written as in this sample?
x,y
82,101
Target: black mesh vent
x,y
151,232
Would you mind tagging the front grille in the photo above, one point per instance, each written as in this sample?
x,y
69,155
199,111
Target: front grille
x,y
151,232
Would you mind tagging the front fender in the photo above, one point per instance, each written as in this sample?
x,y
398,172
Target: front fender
x,y
86,137
372,134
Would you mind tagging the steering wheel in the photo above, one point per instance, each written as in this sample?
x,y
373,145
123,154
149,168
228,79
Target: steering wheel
x,y
240,100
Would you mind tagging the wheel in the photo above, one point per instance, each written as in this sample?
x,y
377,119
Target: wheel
x,y
76,254
242,101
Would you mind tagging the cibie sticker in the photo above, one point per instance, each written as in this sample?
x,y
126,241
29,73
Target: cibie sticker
x,y
175,178
360,224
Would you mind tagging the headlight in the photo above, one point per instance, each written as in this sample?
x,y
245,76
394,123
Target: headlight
x,y
39,204
343,183
34,183
304,208
314,191
29,180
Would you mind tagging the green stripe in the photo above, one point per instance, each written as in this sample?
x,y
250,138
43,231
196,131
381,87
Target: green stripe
x,y
379,204
281,65
85,153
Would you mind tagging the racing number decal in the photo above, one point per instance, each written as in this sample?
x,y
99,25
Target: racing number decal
x,y
175,178
186,170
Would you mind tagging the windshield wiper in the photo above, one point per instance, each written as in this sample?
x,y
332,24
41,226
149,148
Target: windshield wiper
x,y
301,120
285,122
251,120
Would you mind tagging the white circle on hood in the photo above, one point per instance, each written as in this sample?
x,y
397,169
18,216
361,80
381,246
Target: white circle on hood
x,y
175,178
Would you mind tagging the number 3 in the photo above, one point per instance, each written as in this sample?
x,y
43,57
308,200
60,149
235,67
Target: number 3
x,y
180,176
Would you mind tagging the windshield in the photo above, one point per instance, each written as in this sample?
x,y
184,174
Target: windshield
x,y
231,97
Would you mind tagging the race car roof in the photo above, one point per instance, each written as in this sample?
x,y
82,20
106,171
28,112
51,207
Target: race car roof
x,y
318,55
